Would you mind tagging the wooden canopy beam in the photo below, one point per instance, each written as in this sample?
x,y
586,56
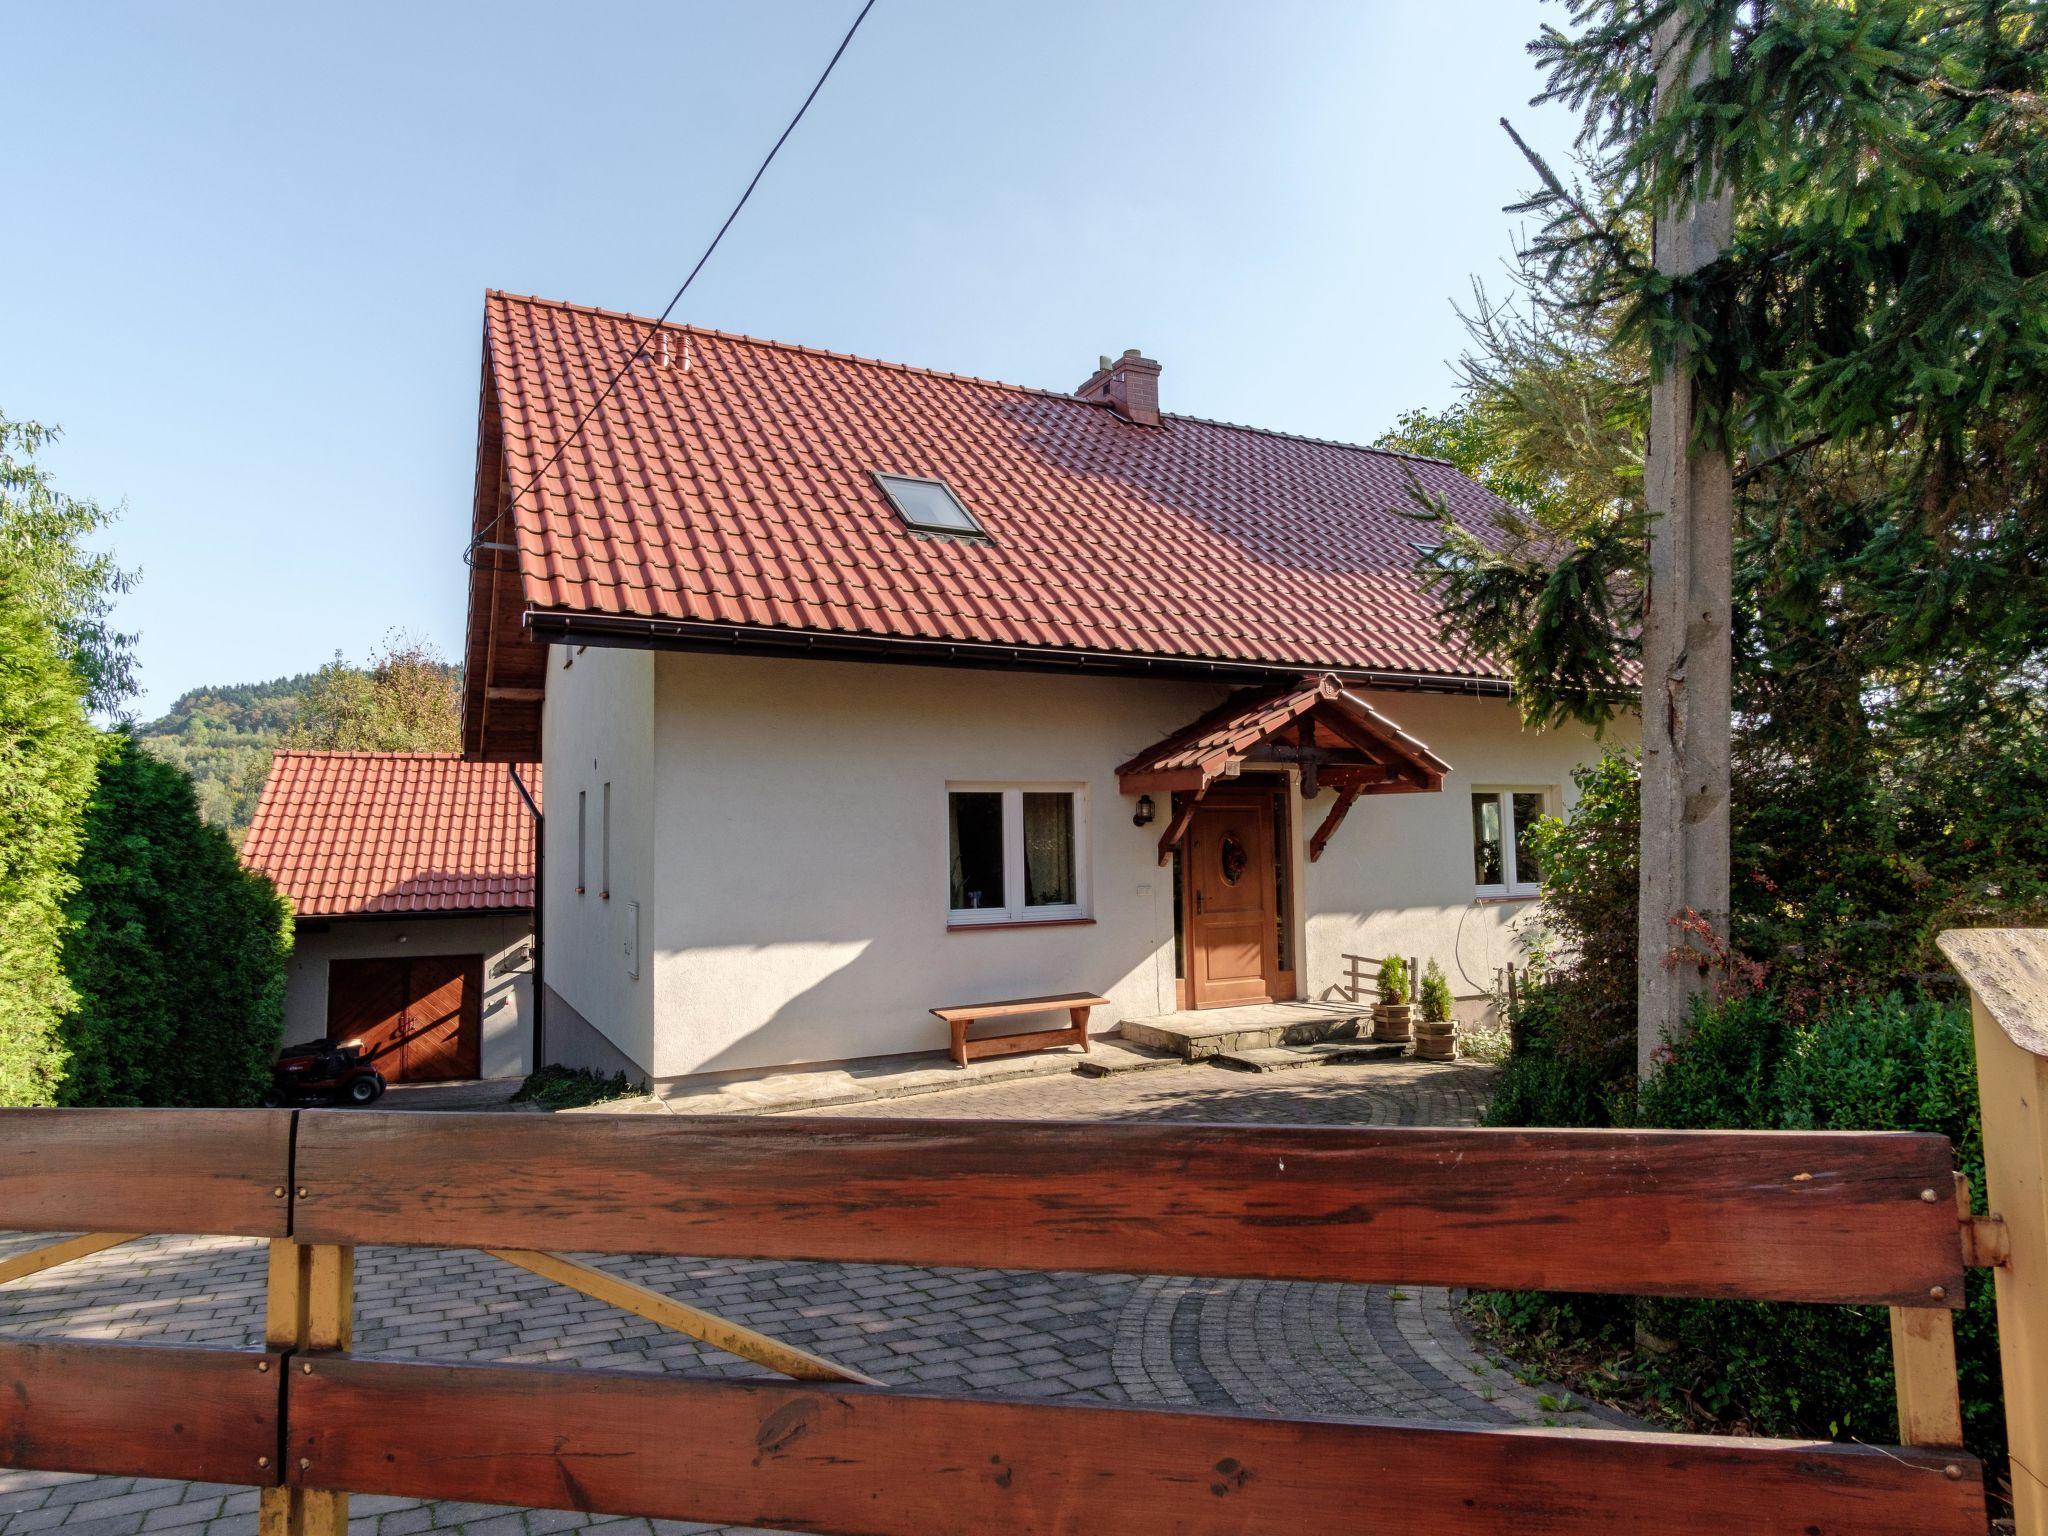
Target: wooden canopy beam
x,y
1177,825
1165,781
1321,840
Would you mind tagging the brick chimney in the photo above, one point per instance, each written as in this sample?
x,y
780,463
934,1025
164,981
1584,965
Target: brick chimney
x,y
1131,386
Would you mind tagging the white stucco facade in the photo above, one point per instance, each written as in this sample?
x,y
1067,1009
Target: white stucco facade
x,y
780,828
505,942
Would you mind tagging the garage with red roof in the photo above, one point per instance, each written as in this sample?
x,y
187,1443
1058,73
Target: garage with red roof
x,y
412,880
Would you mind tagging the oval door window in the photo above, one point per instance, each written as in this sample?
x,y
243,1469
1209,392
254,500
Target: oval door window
x,y
1233,858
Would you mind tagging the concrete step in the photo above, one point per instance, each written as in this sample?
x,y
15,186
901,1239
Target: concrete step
x,y
1283,1058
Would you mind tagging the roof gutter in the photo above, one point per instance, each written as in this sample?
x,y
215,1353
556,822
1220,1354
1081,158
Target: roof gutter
x,y
764,640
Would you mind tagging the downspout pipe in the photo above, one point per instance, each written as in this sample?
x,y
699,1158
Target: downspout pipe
x,y
540,991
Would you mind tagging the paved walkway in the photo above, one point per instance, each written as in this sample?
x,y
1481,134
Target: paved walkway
x,y
1262,1346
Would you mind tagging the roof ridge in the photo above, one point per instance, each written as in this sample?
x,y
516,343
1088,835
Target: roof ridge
x,y
943,373
786,346
1305,437
350,752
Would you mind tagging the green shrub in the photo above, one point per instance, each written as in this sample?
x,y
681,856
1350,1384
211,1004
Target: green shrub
x,y
555,1087
1394,980
1883,1064
1543,1082
1436,995
177,952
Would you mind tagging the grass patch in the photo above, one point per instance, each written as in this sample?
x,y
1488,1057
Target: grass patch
x,y
574,1088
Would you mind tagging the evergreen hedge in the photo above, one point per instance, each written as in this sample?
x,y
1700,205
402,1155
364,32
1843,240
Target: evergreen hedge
x,y
47,755
1885,1064
177,953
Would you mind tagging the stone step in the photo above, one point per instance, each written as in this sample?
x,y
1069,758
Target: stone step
x,y
1113,1058
1283,1058
1198,1036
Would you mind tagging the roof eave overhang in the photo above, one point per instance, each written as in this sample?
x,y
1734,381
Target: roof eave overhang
x,y
434,914
639,633
504,674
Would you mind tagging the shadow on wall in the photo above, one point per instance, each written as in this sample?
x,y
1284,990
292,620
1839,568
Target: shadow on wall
x,y
872,1002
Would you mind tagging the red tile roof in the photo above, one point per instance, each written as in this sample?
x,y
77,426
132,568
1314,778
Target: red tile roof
x,y
347,834
733,486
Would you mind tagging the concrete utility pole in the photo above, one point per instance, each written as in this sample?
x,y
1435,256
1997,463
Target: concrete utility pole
x,y
1686,664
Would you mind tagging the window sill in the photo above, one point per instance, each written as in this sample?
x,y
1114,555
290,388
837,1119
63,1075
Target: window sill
x,y
1021,922
1505,901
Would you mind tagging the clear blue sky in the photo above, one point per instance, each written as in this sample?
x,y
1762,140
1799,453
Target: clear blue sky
x,y
247,244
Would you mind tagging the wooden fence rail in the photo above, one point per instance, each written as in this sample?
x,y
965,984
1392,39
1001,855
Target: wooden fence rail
x,y
1787,1217
1834,1218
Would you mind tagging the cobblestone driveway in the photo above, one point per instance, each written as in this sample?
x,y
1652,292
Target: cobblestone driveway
x,y
1288,1347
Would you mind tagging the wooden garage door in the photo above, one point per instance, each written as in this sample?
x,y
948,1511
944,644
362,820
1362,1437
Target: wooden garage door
x,y
419,1017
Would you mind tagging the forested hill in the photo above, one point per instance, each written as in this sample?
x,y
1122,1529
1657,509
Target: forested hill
x,y
223,738
406,700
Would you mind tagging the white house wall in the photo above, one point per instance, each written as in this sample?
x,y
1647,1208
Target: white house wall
x,y
597,728
1397,879
803,845
505,942
799,833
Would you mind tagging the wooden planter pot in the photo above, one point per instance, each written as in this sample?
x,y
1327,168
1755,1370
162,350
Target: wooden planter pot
x,y
1436,1040
1393,1021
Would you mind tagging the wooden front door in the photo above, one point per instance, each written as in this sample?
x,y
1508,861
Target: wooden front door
x,y
1230,886
419,1016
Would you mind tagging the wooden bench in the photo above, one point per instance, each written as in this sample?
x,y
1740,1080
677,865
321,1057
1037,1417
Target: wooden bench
x,y
1076,1004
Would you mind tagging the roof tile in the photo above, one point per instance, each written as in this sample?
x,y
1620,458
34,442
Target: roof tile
x,y
349,834
735,488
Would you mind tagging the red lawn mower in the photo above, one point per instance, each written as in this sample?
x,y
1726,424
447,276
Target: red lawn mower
x,y
321,1072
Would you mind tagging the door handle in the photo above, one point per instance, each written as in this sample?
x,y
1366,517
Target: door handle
x,y
1198,903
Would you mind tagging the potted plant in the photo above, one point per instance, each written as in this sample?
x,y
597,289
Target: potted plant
x,y
1393,1017
1436,1037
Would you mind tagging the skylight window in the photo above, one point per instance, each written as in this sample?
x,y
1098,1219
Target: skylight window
x,y
929,506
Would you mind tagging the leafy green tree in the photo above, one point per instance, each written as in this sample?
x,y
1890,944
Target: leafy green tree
x,y
177,952
407,700
50,571
1871,350
57,653
1874,355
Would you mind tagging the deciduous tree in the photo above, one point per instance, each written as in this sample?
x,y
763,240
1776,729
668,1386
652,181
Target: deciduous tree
x,y
407,700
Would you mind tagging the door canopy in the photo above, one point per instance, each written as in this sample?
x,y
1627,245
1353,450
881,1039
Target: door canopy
x,y
1336,740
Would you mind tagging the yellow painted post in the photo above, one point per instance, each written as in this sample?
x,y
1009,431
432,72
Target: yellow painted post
x,y
2007,972
310,1311
1924,1366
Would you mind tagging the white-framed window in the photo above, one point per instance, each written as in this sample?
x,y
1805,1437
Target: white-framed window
x,y
1016,853
1504,861
604,855
582,837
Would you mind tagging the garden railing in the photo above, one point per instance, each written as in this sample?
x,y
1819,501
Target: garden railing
x,y
1842,1218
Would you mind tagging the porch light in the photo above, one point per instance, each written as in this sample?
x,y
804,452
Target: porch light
x,y
1142,817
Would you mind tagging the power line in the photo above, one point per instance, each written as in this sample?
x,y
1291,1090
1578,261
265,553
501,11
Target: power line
x,y
648,335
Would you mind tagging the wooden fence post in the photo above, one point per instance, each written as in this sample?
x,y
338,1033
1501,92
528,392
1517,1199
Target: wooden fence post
x,y
310,1310
2007,971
